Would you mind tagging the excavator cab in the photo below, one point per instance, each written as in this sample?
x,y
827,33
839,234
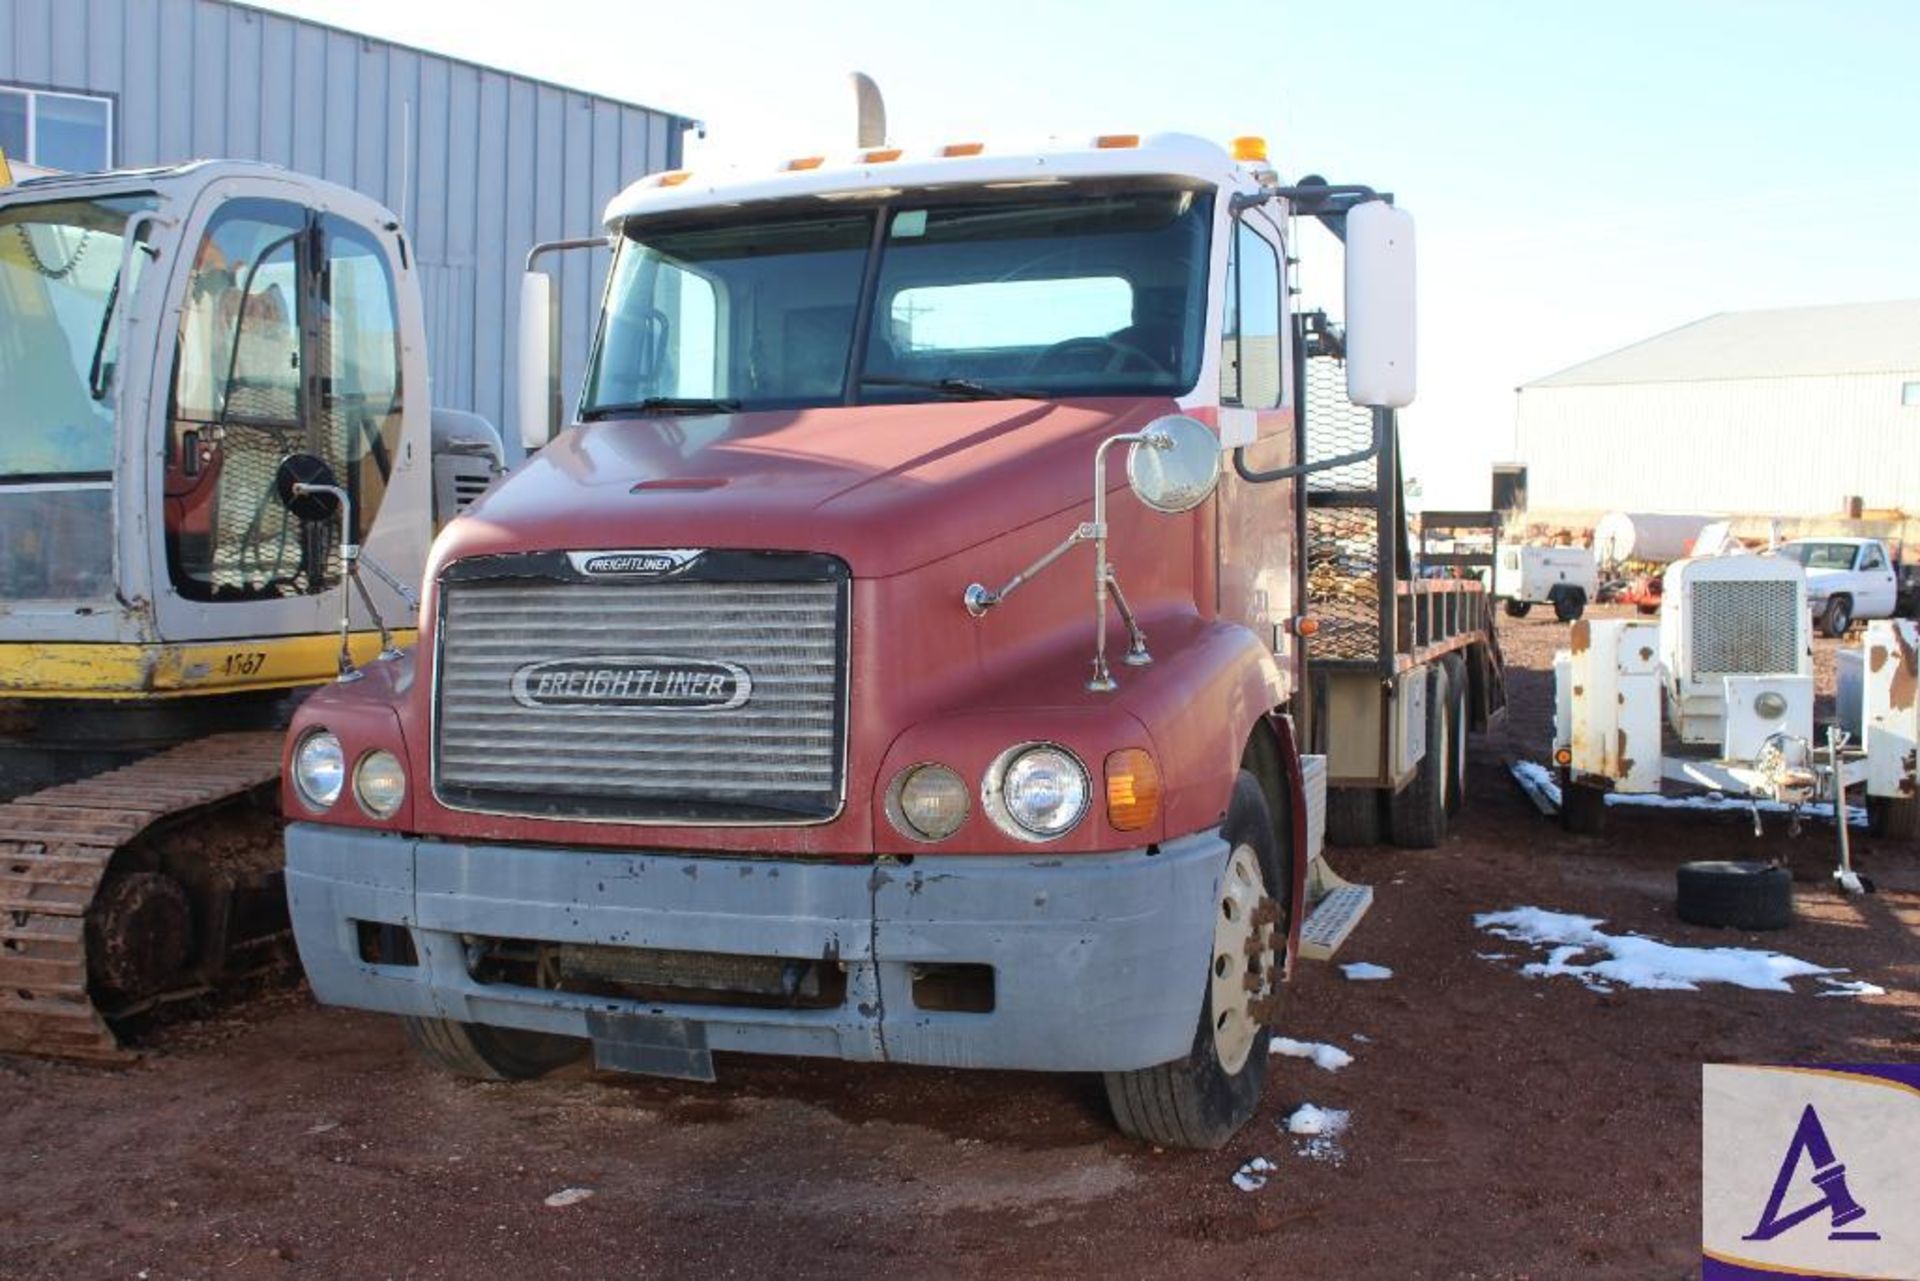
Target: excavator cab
x,y
213,387
167,339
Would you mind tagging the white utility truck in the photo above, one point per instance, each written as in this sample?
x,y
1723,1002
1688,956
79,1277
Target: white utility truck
x,y
1565,578
1731,664
1848,579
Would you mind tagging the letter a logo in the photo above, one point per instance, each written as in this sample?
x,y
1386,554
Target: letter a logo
x,y
1810,1138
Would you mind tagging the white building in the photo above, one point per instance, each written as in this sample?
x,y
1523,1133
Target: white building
x,y
1789,412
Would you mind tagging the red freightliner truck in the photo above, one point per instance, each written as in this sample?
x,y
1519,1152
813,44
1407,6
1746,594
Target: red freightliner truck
x,y
776,706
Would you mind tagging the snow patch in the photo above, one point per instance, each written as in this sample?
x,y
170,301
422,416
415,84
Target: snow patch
x,y
1319,1130
569,1196
1633,960
1366,970
1851,987
1252,1176
1538,776
1330,1058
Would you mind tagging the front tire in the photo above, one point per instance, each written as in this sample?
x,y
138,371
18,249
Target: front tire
x,y
1837,617
1518,608
1201,1101
484,1053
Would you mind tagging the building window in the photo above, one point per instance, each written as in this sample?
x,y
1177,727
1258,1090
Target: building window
x,y
1910,395
54,130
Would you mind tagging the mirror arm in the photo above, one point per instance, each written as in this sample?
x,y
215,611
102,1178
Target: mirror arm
x,y
350,570
1315,199
980,598
1379,441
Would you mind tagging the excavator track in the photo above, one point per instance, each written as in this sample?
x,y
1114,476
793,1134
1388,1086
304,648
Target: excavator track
x,y
59,933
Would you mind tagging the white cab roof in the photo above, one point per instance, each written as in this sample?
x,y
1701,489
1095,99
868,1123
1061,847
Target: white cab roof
x,y
1161,155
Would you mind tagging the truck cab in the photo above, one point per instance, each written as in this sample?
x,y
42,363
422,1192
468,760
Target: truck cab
x,y
899,656
1848,579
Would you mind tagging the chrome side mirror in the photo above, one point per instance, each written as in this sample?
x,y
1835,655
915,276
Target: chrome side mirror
x,y
539,361
1175,465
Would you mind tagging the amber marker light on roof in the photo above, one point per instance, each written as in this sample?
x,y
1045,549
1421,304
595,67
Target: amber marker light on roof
x,y
1109,141
963,149
806,162
1133,789
880,155
674,177
1250,148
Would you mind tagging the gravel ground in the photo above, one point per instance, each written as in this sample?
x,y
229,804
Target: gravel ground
x,y
1501,1126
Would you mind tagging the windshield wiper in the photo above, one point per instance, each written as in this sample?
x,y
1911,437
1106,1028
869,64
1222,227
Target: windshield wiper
x,y
958,388
662,405
98,375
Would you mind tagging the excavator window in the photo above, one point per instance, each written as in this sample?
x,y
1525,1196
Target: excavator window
x,y
288,345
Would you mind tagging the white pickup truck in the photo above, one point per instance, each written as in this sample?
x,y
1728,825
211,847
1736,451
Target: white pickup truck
x,y
1847,579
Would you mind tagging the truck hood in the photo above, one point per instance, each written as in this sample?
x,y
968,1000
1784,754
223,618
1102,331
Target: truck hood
x,y
887,488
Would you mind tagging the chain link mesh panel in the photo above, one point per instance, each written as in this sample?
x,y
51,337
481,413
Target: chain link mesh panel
x,y
1343,523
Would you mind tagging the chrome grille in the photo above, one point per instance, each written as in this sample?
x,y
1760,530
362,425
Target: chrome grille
x,y
778,756
1745,627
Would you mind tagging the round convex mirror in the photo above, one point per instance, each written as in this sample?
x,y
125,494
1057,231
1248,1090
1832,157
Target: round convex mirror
x,y
1178,467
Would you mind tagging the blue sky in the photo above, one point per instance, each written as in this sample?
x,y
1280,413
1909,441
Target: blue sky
x,y
1583,174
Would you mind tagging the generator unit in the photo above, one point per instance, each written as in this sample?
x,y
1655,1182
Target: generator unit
x,y
1736,652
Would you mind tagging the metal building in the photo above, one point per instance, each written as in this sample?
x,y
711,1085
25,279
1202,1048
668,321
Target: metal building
x,y
480,163
1788,412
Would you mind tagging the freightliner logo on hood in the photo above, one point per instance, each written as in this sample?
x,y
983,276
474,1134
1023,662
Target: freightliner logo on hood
x,y
639,563
632,683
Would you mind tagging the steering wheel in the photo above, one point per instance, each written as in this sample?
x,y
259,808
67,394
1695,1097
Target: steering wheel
x,y
1114,356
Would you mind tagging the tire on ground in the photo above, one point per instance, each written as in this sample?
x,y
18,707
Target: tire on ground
x,y
1196,1102
1518,608
1738,895
1417,814
1569,603
1353,816
1456,666
490,1053
1837,617
1894,818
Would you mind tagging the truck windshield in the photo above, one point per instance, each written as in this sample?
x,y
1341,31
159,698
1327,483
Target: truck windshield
x,y
1076,295
1821,555
60,264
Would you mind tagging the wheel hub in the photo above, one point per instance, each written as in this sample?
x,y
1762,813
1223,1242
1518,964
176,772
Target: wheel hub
x,y
1244,969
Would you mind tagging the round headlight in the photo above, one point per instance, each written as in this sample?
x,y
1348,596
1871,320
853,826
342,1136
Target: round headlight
x,y
927,802
380,783
1770,704
1042,790
319,769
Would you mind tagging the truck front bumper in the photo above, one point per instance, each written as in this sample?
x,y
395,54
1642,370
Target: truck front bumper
x,y
1099,961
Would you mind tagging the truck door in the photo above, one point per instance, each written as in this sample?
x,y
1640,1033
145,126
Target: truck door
x,y
1878,587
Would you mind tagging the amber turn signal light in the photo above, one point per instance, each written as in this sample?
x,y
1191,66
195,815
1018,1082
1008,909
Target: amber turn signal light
x,y
1563,757
1133,789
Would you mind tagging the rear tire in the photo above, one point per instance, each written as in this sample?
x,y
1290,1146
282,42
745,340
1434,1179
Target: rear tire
x,y
1894,818
1569,605
485,1053
1735,895
1201,1101
1456,668
1837,617
1518,608
1353,816
1417,814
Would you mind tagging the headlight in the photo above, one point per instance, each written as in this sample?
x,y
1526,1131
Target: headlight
x,y
319,769
1770,704
380,783
1037,792
927,802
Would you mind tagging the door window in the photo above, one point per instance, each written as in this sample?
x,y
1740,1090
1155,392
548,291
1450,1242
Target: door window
x,y
357,427
1251,354
237,410
1870,558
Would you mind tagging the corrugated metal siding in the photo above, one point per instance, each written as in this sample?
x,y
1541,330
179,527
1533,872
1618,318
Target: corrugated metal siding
x,y
498,162
1783,446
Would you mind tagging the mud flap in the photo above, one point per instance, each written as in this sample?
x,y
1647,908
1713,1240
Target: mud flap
x,y
651,1045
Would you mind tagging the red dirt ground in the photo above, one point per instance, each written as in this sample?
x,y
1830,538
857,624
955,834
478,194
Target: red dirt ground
x,y
1502,1126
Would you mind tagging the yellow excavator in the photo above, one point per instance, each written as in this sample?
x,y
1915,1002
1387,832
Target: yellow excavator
x,y
219,474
